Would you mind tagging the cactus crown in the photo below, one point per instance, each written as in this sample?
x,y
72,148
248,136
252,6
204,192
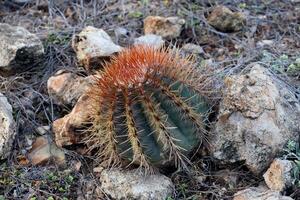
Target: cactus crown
x,y
148,107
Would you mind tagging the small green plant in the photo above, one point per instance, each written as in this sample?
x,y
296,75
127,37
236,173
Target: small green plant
x,y
135,14
58,183
149,107
242,5
277,64
292,152
294,68
56,39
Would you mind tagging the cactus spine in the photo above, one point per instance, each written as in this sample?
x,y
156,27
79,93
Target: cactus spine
x,y
148,107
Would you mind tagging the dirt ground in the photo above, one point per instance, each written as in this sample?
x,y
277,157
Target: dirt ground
x,y
56,21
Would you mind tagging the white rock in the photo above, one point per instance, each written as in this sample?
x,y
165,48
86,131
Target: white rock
x,y
167,27
256,119
223,19
192,49
19,49
93,44
264,43
151,40
135,185
44,150
65,128
259,193
42,130
279,175
7,127
21,1
121,31
65,88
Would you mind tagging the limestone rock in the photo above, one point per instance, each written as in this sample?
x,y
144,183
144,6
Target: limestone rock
x,y
120,31
223,19
257,116
135,185
264,43
191,48
168,28
66,128
20,49
259,193
43,151
43,130
65,88
92,45
151,40
279,175
7,127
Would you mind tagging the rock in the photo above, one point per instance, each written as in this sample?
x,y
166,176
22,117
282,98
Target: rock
x,y
43,130
77,166
259,193
257,117
92,45
119,31
20,49
223,19
168,28
264,43
21,1
151,40
279,175
135,185
65,88
67,129
98,169
44,151
7,127
190,48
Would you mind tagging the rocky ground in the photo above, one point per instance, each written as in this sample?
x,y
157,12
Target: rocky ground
x,y
50,51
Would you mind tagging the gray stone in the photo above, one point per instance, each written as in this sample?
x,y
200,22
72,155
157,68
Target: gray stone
x,y
65,88
44,151
43,130
259,193
19,49
166,27
190,48
264,43
66,128
92,45
151,40
257,117
7,127
223,19
135,185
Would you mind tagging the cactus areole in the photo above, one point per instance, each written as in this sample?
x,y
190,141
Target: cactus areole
x,y
148,107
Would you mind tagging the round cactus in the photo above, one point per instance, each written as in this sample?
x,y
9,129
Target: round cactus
x,y
148,107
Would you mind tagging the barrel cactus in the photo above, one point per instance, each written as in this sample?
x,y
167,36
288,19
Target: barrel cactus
x,y
148,107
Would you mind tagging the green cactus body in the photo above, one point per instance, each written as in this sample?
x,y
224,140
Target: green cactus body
x,y
149,108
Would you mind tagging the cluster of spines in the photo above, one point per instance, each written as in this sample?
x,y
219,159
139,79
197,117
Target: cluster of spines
x,y
148,106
